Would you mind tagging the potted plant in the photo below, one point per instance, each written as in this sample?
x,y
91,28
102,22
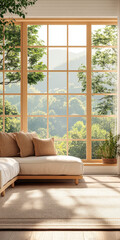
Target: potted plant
x,y
110,149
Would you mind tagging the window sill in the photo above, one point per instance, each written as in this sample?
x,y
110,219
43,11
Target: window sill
x,y
98,164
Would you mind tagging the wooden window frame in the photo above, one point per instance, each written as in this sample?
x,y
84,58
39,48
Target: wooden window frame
x,y
24,116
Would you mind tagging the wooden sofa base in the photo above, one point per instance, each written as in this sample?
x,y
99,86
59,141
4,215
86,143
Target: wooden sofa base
x,y
12,182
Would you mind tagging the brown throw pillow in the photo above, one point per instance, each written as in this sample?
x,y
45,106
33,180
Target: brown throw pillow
x,y
8,145
25,143
44,147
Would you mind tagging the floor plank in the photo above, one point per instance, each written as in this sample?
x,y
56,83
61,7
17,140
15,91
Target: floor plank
x,y
21,235
68,235
5,235
59,235
100,235
48,235
118,235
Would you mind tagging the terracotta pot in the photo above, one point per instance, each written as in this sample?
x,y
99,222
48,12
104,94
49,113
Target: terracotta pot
x,y
109,160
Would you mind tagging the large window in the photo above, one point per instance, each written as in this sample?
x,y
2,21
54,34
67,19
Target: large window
x,y
67,71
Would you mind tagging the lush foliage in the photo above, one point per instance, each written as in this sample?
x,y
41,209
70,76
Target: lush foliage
x,y
103,59
12,56
12,7
110,148
11,124
15,7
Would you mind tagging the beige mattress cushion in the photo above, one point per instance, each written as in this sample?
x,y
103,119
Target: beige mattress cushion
x,y
8,145
44,147
25,143
9,168
50,165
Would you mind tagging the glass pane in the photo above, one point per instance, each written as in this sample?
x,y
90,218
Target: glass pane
x,y
77,105
12,82
37,58
104,105
37,82
12,35
77,58
12,105
12,59
77,82
37,105
77,35
61,147
1,35
104,35
58,127
57,105
57,58
39,125
104,58
1,82
77,128
12,124
1,59
105,82
57,82
37,35
57,35
77,149
1,124
102,126
95,148
1,105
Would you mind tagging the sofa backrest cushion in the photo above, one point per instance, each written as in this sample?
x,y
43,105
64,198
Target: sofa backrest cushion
x,y
25,143
44,147
8,145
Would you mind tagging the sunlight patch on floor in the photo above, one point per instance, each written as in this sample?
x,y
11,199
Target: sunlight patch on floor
x,y
33,194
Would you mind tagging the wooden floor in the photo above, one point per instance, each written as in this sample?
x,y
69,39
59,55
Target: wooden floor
x,y
60,235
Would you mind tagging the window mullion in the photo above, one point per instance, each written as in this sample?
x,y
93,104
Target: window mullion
x,y
47,81
24,77
88,92
67,93
4,83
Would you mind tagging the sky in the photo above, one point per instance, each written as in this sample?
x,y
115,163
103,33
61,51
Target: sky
x,y
58,35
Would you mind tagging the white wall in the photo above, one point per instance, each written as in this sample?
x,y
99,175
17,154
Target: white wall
x,y
102,170
73,8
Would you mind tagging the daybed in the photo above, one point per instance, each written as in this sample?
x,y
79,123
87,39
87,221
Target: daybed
x,y
9,170
47,167
32,162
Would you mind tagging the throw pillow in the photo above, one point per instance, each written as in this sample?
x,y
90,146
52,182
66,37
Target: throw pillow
x,y
44,147
8,145
25,143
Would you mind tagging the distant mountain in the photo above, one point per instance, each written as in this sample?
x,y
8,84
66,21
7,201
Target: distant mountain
x,y
58,81
60,60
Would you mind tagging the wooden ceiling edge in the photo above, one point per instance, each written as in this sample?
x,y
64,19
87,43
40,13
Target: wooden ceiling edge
x,y
63,19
